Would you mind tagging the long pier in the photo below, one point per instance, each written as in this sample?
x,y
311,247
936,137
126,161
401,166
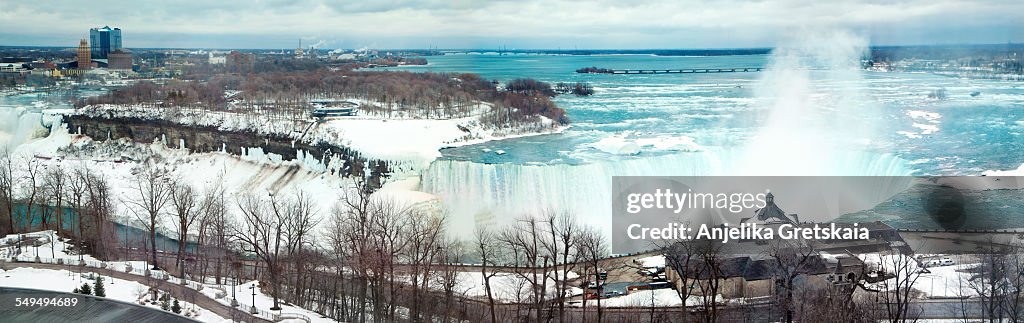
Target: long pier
x,y
672,71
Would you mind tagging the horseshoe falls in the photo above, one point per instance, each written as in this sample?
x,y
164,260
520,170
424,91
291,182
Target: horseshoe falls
x,y
813,111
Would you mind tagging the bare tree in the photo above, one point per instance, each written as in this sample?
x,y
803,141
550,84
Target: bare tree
x,y
7,182
997,280
792,259
593,248
56,180
261,233
1014,297
707,269
219,225
271,228
448,275
301,218
78,191
680,262
101,208
897,291
489,253
152,192
350,231
33,186
563,230
526,238
423,250
185,202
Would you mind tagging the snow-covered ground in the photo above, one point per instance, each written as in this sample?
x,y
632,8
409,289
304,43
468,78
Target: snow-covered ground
x,y
651,262
117,289
933,281
509,287
237,175
1013,172
66,281
128,291
253,173
59,248
412,142
946,281
665,297
244,295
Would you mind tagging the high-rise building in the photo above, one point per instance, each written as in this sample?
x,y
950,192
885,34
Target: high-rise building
x,y
84,60
119,60
104,41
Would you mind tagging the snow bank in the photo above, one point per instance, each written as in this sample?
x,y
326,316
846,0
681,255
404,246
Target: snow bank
x,y
48,239
416,141
244,295
616,146
1014,172
651,262
626,145
507,287
665,297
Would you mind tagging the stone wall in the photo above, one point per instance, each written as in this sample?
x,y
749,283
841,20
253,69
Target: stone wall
x,y
200,139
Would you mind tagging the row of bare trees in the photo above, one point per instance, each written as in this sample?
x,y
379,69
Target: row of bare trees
x,y
379,260
74,202
285,95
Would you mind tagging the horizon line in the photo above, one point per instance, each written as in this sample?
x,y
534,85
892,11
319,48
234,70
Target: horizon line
x,y
492,49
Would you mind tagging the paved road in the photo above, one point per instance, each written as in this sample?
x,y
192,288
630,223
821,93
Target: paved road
x,y
86,309
176,290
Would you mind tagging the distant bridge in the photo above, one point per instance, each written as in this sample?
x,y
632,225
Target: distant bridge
x,y
671,71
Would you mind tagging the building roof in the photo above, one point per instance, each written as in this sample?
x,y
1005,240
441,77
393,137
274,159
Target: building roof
x,y
751,269
771,212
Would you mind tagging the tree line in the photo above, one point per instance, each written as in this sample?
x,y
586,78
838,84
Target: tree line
x,y
387,94
373,258
75,202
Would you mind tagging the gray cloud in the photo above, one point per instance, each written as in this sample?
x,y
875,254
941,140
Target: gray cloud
x,y
526,23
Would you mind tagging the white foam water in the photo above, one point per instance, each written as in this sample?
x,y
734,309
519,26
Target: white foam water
x,y
812,104
18,125
496,193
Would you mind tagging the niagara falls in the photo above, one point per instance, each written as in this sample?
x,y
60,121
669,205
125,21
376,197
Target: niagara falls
x,y
556,161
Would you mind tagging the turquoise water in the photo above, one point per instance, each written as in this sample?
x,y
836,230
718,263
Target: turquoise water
x,y
974,133
126,235
792,119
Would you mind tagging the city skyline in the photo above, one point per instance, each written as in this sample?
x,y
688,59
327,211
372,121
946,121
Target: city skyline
x,y
518,25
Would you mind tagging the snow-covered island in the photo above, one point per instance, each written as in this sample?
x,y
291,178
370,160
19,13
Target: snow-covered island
x,y
401,118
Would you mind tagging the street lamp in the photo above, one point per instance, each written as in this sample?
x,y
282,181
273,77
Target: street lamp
x,y
234,283
252,309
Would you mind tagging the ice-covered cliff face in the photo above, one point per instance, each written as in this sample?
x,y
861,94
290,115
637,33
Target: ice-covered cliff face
x,y
18,125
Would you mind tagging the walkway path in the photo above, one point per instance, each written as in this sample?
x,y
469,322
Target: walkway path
x,y
176,290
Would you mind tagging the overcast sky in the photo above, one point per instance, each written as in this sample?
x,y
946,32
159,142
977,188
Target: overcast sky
x,y
626,24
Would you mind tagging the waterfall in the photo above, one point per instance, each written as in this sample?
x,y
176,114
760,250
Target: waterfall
x,y
18,125
495,193
813,116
